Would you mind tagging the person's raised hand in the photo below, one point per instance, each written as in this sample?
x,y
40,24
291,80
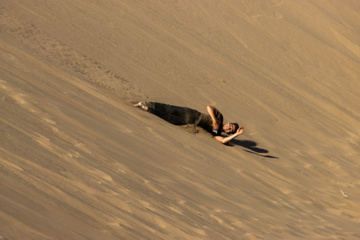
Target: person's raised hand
x,y
216,125
240,130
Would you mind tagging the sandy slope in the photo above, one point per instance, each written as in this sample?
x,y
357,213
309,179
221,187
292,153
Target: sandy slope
x,y
77,161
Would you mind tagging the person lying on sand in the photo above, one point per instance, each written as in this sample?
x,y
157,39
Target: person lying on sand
x,y
211,122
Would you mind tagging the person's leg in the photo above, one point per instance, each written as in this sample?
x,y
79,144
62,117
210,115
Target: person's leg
x,y
173,114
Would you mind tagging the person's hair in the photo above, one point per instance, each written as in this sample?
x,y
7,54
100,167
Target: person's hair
x,y
236,127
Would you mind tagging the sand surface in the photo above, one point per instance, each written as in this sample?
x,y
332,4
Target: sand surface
x,y
78,161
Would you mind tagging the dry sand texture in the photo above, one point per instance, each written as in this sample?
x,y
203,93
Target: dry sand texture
x,y
77,161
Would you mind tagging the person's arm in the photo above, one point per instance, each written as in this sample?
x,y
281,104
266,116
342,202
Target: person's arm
x,y
211,112
231,137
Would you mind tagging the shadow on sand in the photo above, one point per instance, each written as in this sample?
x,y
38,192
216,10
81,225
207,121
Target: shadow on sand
x,y
251,148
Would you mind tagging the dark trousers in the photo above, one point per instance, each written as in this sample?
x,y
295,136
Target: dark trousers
x,y
174,114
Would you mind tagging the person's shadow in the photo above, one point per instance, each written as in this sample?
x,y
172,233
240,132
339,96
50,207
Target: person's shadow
x,y
251,147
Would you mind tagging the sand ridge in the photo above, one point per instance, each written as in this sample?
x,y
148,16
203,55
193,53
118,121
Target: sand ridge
x,y
78,161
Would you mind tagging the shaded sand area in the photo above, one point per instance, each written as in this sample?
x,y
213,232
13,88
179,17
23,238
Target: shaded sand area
x,y
78,161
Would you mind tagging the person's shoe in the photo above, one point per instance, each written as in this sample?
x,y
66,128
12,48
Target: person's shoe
x,y
141,105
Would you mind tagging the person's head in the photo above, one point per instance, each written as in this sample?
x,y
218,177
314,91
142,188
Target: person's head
x,y
230,128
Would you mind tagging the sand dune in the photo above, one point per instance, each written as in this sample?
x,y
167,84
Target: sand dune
x,y
78,161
